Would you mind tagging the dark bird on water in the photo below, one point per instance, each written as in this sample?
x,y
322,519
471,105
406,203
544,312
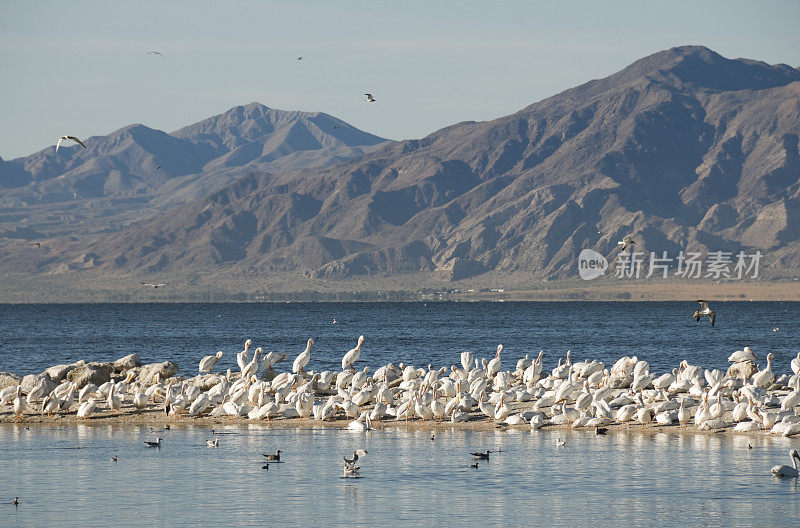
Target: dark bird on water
x,y
600,430
15,502
114,458
475,465
265,466
273,458
705,310
482,456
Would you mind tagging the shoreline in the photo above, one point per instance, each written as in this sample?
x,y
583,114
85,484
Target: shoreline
x,y
156,418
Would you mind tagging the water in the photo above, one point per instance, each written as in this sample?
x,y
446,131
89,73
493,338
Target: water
x,y
34,337
623,479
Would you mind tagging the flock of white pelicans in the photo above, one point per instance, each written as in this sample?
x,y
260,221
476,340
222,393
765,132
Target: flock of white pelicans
x,y
583,394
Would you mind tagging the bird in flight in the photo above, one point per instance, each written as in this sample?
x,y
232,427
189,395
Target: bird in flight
x,y
300,57
627,241
38,244
158,167
335,127
705,310
152,285
155,53
65,138
370,98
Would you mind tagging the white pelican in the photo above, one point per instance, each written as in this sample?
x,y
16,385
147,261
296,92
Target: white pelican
x,y
742,355
241,357
362,423
302,360
66,138
114,401
494,365
139,400
87,408
20,402
795,364
352,354
252,367
208,362
762,378
705,310
786,471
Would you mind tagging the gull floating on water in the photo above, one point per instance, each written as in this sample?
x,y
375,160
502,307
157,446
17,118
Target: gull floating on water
x,y
157,443
705,310
65,138
273,457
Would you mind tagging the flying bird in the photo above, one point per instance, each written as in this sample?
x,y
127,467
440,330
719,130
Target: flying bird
x,y
335,127
705,310
159,285
300,57
65,138
370,98
38,244
627,241
155,53
158,167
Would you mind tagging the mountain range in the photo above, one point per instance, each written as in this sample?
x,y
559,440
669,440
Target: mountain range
x,y
685,149
137,171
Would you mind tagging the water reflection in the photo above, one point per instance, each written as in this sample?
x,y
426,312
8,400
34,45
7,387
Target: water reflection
x,y
621,478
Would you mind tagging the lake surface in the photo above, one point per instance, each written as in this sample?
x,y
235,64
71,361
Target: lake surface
x,y
37,336
623,479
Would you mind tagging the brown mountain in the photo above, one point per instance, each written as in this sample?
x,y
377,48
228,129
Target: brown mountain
x,y
684,148
137,171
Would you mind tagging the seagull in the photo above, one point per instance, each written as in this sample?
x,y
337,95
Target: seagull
x,y
158,167
159,285
155,53
705,310
370,98
627,241
157,443
65,138
300,57
482,456
273,458
351,462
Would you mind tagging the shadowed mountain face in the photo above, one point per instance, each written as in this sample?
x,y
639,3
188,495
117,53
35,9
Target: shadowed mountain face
x,y
686,149
137,171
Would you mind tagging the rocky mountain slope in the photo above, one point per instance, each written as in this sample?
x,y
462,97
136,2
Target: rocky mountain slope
x,y
136,171
686,149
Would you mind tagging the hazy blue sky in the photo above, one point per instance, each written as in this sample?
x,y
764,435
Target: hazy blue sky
x,y
81,67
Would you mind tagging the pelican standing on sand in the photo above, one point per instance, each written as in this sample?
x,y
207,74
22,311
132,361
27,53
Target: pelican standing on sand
x,y
208,362
352,354
705,310
302,360
788,471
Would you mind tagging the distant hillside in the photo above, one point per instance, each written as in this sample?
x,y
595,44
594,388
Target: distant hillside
x,y
684,148
136,171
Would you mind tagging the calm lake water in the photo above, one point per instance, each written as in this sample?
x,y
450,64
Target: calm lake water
x,y
623,479
34,337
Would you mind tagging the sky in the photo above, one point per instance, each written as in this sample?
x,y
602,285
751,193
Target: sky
x,y
83,68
